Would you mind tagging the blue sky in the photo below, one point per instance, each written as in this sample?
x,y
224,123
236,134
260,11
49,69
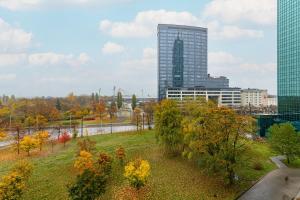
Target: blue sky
x,y
52,48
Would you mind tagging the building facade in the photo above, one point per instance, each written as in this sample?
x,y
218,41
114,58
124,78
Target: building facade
x,y
254,97
288,77
182,59
230,97
272,100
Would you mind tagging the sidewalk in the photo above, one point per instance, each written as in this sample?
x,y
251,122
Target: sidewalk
x,y
274,185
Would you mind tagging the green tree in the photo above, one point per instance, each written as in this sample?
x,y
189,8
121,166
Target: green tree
x,y
58,104
133,102
168,125
285,140
119,100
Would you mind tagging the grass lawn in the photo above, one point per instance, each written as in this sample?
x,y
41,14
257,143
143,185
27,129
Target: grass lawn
x,y
293,164
171,178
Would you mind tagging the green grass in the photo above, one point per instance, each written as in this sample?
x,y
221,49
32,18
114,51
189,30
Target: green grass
x,y
293,164
171,178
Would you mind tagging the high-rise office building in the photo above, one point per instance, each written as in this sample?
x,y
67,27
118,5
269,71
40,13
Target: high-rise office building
x,y
288,59
182,59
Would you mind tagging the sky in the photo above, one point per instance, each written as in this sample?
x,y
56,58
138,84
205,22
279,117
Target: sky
x,y
54,47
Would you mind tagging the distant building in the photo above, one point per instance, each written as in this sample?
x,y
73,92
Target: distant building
x,y
254,97
272,100
182,59
230,97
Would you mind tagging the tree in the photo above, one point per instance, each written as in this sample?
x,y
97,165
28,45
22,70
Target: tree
x,y
64,138
97,97
28,143
40,122
58,104
285,140
12,186
168,125
137,172
84,161
42,137
89,185
138,119
133,102
149,110
215,136
119,100
29,123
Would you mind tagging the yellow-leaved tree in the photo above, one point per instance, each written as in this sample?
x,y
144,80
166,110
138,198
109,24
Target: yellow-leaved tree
x,y
28,143
42,137
84,161
137,172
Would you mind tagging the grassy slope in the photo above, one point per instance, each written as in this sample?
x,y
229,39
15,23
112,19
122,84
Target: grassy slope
x,y
171,178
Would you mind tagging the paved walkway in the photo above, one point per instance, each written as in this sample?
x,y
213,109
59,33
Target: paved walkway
x,y
274,185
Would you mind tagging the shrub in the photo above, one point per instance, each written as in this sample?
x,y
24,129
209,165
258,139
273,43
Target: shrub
x,y
89,185
13,185
137,173
28,143
64,138
120,154
257,165
87,144
3,135
105,161
84,161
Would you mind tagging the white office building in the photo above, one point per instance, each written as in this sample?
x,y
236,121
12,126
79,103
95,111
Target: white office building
x,y
254,97
230,97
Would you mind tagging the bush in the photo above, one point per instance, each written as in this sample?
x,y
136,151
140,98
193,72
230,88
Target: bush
x,y
84,162
12,186
64,138
120,154
137,172
105,162
257,165
88,186
29,143
86,144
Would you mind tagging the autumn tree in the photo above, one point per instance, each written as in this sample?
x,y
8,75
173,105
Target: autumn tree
x,y
40,122
215,135
168,125
285,140
133,102
64,138
28,143
41,137
149,110
138,118
119,100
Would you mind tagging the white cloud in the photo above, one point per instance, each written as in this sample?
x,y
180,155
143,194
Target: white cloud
x,y
231,11
112,48
7,77
145,64
221,58
62,79
241,72
43,59
34,4
145,25
12,38
8,59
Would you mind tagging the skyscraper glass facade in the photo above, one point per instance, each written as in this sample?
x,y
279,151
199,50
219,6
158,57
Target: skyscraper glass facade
x,y
289,59
179,45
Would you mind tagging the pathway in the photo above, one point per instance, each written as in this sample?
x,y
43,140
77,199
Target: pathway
x,y
274,185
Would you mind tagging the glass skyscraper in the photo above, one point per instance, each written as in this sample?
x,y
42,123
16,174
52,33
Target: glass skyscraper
x,y
182,59
289,59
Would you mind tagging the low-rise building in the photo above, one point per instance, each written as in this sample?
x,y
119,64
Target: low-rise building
x,y
254,97
272,100
230,97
